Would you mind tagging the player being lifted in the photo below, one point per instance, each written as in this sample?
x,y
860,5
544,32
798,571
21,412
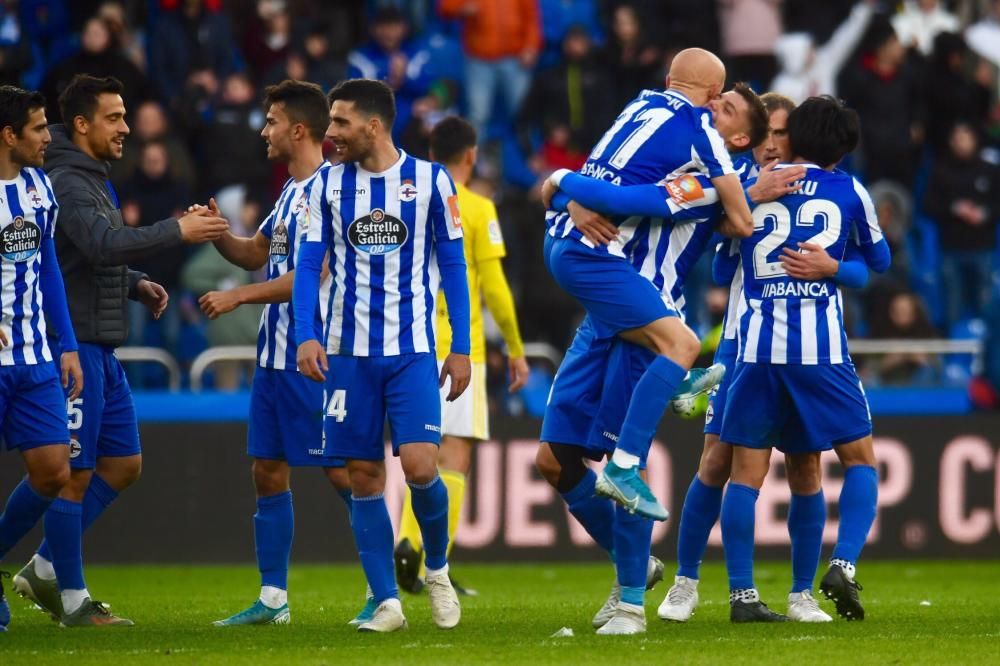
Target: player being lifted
x,y
32,403
392,228
466,420
286,409
793,362
660,133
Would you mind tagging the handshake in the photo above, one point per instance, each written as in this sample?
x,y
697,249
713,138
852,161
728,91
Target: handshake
x,y
202,223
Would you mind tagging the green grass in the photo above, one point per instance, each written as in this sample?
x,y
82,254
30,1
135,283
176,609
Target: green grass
x,y
513,619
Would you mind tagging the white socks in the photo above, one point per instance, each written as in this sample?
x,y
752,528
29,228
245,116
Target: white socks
x,y
273,597
434,573
43,568
845,565
624,459
73,599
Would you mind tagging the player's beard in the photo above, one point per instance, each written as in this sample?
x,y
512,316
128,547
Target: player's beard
x,y
28,159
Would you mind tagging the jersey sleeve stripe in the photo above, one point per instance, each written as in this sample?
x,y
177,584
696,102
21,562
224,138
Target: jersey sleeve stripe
x,y
870,232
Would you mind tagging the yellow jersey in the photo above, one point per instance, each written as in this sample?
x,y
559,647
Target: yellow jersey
x,y
483,241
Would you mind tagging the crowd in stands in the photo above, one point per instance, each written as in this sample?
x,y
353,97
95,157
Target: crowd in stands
x,y
541,80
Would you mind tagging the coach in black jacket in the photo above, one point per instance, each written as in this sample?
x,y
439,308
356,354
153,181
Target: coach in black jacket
x,y
94,248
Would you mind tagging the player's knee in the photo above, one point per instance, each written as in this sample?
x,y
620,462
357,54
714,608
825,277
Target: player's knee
x,y
50,480
420,471
716,462
804,474
547,464
268,478
566,468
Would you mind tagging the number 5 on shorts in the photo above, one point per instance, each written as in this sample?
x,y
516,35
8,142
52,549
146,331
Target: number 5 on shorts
x,y
75,413
337,407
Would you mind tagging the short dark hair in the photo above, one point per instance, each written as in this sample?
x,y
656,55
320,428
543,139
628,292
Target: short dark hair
x,y
773,101
16,105
823,130
302,102
372,98
451,137
757,131
80,97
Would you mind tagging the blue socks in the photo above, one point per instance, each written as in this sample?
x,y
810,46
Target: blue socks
x,y
738,515
273,529
701,509
806,518
98,497
64,530
596,514
858,499
430,507
25,507
373,535
632,539
649,400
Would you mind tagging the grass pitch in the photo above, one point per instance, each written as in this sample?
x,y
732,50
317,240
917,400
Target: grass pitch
x,y
917,612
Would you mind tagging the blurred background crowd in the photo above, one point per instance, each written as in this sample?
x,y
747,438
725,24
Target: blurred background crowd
x,y
542,80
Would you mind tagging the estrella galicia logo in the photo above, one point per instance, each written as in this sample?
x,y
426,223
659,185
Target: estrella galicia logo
x,y
279,243
377,233
20,240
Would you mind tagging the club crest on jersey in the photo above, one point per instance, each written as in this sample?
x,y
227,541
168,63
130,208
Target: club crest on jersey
x,y
36,201
407,192
279,243
685,190
20,240
377,233
300,203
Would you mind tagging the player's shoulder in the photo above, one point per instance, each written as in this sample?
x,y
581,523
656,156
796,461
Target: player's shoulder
x,y
477,210
745,166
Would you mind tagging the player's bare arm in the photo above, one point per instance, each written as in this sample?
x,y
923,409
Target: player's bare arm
x,y
772,184
595,227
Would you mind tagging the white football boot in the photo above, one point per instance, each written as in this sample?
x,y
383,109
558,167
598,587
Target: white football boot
x,y
803,607
388,617
445,608
628,619
681,600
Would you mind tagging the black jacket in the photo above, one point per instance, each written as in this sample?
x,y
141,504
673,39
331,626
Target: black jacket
x,y
94,245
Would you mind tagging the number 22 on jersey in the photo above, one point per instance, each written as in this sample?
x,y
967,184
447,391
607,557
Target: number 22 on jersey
x,y
812,213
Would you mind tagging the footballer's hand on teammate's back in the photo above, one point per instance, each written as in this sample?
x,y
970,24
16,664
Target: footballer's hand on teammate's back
x,y
458,368
549,190
810,262
216,303
595,227
518,371
4,340
72,374
311,360
772,184
202,225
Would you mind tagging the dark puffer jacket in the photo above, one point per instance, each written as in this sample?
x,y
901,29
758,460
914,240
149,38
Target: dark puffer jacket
x,y
94,245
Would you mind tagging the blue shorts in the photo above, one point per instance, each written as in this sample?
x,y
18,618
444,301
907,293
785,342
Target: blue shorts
x,y
575,395
726,354
32,406
363,391
615,296
286,419
765,400
102,420
626,365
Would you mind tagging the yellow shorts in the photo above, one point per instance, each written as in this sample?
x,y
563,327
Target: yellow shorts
x,y
468,416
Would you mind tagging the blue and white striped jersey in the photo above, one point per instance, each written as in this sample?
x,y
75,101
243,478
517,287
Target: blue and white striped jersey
x,y
381,230
658,136
748,169
789,321
276,344
28,212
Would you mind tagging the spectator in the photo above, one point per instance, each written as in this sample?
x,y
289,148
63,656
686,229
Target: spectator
x,y
963,198
818,19
149,123
749,31
266,39
131,42
920,21
634,59
984,36
569,103
807,70
153,194
894,208
312,61
885,91
502,40
558,16
99,56
401,63
190,46
15,47
953,95
236,121
903,317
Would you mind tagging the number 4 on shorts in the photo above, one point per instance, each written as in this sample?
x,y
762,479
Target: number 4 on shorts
x,y
337,407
